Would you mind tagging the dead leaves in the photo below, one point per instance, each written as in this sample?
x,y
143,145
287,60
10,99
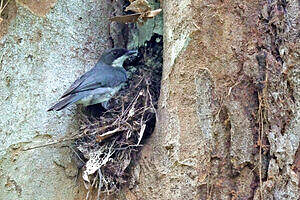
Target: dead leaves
x,y
139,6
142,11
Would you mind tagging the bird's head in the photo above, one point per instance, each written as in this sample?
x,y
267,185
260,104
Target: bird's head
x,y
115,57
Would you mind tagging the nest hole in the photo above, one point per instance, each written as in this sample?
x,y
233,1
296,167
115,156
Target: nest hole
x,y
110,140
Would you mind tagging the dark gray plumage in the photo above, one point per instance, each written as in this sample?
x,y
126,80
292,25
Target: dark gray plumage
x,y
100,83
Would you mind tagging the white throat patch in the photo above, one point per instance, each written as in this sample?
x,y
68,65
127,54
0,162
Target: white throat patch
x,y
119,61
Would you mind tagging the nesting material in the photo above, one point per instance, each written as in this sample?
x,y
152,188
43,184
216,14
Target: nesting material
x,y
110,143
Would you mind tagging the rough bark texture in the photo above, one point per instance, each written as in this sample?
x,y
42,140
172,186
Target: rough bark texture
x,y
40,57
228,125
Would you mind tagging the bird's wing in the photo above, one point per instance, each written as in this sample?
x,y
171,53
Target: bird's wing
x,y
65,102
100,76
73,98
78,82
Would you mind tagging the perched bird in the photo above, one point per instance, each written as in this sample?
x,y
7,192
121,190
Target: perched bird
x,y
99,84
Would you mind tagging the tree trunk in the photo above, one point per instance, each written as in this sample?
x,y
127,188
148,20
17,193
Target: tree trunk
x,y
39,58
228,122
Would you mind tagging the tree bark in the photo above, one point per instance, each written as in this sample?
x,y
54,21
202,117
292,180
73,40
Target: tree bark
x,y
228,120
39,58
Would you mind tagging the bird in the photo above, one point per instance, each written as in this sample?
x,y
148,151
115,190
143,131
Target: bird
x,y
99,84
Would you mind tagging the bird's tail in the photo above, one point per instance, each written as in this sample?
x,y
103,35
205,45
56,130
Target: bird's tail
x,y
65,102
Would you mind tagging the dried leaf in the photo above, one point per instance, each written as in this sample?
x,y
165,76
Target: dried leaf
x,y
98,158
138,17
145,16
153,13
126,18
1,20
139,6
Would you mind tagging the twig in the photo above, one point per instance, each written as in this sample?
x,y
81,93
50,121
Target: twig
x,y
100,184
107,134
76,154
151,101
51,143
2,8
143,127
62,140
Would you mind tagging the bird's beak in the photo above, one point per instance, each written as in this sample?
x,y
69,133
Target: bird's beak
x,y
132,53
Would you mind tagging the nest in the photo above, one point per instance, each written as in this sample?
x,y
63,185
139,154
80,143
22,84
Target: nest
x,y
110,143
